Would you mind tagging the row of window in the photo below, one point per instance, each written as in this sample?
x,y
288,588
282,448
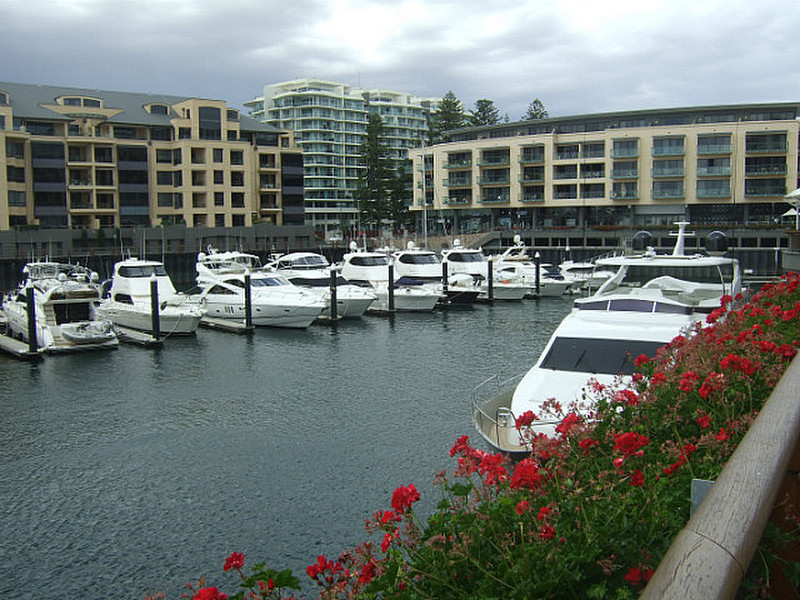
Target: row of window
x,y
624,148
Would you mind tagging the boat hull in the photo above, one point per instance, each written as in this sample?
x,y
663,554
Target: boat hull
x,y
172,321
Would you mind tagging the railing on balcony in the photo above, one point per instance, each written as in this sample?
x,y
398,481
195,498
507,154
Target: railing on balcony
x,y
667,172
624,173
708,558
713,148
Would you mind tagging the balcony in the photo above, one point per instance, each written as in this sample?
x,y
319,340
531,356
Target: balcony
x,y
668,151
624,173
457,200
526,198
765,170
501,180
458,164
714,171
713,149
457,182
766,147
667,172
667,194
625,153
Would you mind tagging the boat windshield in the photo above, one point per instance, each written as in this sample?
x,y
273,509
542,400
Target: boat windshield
x,y
304,262
142,271
418,259
706,274
465,257
593,355
369,261
271,281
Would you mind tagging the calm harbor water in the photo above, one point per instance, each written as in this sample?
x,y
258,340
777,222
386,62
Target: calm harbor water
x,y
137,470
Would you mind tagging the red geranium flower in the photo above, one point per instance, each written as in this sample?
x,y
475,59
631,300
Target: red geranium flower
x,y
567,423
521,507
544,512
630,443
526,475
640,360
209,593
403,497
235,561
525,419
637,479
547,532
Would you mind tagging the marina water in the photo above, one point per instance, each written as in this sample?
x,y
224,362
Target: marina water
x,y
137,470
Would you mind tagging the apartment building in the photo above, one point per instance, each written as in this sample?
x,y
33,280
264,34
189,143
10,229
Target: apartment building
x,y
716,164
81,158
330,120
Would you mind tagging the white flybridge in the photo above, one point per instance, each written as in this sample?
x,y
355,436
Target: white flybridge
x,y
469,268
650,299
129,301
415,264
63,298
519,262
371,269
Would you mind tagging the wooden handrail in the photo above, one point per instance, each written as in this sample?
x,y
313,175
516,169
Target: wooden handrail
x,y
709,557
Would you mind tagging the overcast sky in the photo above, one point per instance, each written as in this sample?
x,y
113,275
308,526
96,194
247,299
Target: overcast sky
x,y
577,56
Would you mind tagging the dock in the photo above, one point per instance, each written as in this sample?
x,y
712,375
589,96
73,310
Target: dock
x,y
139,338
15,347
229,325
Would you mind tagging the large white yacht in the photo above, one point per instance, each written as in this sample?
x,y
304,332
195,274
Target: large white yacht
x,y
650,300
129,302
311,271
469,268
416,264
371,269
275,302
65,297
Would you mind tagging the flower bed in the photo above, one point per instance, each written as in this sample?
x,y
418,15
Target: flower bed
x,y
591,512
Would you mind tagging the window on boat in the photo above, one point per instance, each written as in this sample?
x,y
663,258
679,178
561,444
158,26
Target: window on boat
x,y
123,298
641,274
268,281
218,289
465,257
142,271
72,312
369,261
418,259
588,355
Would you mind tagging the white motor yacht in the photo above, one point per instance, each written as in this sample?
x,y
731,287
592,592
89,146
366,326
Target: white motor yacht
x,y
519,262
129,302
415,264
469,268
371,269
311,271
274,301
65,297
649,301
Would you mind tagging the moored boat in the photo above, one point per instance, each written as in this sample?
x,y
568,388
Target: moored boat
x,y
650,299
64,301
129,302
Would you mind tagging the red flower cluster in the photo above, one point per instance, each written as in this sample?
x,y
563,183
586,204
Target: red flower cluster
x,y
209,593
737,363
526,475
547,532
637,479
403,497
686,452
235,561
686,383
704,421
713,383
638,575
525,419
521,507
630,443
567,423
640,360
492,468
626,396
325,571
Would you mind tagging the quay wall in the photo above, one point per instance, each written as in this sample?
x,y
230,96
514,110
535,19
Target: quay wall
x,y
760,251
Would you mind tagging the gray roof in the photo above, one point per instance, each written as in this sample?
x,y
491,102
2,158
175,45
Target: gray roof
x,y
28,102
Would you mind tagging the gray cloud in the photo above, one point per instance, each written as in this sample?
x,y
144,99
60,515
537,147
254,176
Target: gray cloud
x,y
578,56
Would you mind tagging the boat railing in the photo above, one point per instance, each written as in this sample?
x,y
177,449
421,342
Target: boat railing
x,y
491,417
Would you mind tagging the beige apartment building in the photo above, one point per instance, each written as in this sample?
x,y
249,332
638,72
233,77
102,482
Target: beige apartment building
x,y
710,165
86,159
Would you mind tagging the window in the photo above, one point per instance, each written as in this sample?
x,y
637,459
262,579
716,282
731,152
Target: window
x,y
198,178
165,199
159,109
198,156
210,123
218,155
124,133
219,199
132,177
164,177
132,154
588,355
219,177
47,150
237,200
238,221
713,188
237,157
104,177
15,148
668,146
16,198
164,156
219,220
103,154
625,149
184,133
237,178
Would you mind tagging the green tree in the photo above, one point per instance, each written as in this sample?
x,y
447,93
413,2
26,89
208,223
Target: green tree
x,y
484,113
449,115
536,110
372,193
400,187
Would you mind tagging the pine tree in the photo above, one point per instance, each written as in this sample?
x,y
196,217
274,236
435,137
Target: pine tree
x,y
449,115
484,113
372,193
536,111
